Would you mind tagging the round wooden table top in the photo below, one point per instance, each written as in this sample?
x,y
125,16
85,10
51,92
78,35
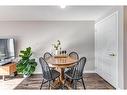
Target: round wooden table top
x,y
63,62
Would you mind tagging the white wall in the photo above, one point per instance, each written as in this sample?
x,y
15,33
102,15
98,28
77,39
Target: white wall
x,y
74,36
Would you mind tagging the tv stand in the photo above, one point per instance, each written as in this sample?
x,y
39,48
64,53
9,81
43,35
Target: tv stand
x,y
7,69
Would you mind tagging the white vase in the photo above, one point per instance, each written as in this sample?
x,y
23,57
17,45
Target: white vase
x,y
56,52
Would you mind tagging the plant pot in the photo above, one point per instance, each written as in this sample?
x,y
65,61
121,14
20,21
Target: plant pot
x,y
26,76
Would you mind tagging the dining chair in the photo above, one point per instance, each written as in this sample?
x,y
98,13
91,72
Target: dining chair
x,y
48,74
74,55
47,55
76,74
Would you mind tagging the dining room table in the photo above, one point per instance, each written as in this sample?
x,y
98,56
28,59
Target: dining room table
x,y
61,62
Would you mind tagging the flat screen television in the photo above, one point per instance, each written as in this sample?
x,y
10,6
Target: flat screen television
x,y
7,50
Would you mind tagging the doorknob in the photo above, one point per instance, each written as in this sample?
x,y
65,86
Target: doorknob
x,y
111,54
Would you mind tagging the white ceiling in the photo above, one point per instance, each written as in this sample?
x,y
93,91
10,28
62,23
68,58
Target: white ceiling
x,y
39,13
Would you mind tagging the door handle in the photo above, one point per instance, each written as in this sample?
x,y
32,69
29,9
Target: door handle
x,y
111,54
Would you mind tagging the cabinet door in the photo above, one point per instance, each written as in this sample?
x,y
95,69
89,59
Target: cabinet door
x,y
12,68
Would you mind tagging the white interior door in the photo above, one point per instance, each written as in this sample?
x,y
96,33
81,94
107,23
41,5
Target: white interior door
x,y
106,48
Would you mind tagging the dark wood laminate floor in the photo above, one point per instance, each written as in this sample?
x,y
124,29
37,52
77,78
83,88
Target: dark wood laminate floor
x,y
92,81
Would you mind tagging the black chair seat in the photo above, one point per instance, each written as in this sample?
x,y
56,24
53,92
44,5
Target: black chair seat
x,y
55,74
69,74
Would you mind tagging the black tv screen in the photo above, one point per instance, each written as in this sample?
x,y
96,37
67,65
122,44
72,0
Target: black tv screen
x,y
7,48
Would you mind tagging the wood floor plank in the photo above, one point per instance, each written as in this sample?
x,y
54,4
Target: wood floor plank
x,y
92,81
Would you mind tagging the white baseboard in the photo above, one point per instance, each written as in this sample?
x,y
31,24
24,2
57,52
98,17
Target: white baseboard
x,y
37,73
119,88
87,71
91,71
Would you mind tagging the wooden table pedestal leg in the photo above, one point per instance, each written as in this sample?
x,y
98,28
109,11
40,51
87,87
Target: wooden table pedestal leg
x,y
62,75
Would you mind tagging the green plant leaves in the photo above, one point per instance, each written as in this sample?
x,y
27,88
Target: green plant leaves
x,y
26,65
25,54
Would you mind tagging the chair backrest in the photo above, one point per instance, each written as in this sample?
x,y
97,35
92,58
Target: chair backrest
x,y
45,68
79,67
74,55
47,55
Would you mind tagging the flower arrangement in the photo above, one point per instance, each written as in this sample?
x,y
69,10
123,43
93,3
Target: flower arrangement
x,y
57,45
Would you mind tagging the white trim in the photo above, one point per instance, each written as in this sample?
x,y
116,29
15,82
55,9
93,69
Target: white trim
x,y
117,67
118,88
107,17
89,71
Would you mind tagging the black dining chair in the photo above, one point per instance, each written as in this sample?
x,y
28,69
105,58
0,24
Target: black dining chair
x,y
76,74
74,55
47,55
48,74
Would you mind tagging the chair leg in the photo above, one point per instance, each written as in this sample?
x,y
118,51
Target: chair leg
x,y
41,84
59,79
53,80
83,83
74,84
64,82
49,84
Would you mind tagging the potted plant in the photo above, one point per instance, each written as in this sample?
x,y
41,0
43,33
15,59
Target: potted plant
x,y
26,65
